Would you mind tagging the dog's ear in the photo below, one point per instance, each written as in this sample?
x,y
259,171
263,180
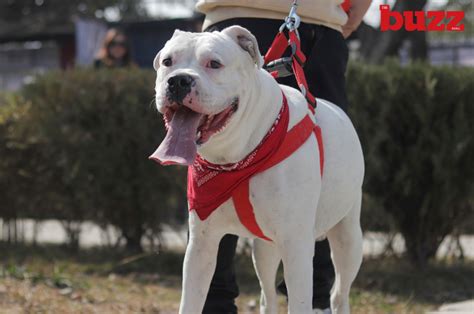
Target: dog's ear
x,y
156,61
247,41
177,32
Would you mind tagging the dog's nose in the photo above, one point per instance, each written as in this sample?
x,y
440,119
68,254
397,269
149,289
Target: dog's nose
x,y
179,86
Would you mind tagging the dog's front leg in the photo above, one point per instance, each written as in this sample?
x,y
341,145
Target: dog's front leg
x,y
297,255
199,266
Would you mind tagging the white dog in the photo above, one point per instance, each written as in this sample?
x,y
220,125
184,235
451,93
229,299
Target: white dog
x,y
219,104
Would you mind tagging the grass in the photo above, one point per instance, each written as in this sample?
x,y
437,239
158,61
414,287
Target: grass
x,y
51,279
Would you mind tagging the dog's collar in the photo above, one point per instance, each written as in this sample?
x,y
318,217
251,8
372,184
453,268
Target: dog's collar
x,y
244,163
210,185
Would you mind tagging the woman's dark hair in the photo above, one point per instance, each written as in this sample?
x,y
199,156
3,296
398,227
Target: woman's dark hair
x,y
104,53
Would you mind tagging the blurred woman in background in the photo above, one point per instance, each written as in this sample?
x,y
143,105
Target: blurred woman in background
x,y
115,51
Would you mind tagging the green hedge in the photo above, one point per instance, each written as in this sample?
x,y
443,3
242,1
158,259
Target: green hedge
x,y
74,146
416,125
82,139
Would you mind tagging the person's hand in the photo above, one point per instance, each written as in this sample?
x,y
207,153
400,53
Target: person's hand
x,y
356,14
351,25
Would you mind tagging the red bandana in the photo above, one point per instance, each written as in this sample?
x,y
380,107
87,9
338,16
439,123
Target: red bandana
x,y
210,185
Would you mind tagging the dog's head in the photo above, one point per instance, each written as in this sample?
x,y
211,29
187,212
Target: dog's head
x,y
199,85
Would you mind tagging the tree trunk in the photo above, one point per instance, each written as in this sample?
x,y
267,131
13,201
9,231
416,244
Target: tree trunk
x,y
421,246
134,244
133,238
73,230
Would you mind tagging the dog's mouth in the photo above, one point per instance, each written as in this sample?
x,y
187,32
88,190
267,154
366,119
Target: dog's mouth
x,y
186,129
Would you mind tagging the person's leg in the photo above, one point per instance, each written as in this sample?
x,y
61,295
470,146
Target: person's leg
x,y
326,66
323,275
223,289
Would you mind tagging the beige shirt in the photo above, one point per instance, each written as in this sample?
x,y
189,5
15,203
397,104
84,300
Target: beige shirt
x,y
321,12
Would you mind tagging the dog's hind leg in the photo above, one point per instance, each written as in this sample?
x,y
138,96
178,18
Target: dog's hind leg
x,y
266,259
345,240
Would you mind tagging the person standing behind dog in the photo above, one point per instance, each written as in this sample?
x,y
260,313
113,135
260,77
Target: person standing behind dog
x,y
324,27
115,51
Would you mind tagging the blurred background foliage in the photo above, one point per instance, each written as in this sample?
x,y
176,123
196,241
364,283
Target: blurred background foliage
x,y
74,147
416,124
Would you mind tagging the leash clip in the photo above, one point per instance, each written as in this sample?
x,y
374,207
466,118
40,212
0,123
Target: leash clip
x,y
292,21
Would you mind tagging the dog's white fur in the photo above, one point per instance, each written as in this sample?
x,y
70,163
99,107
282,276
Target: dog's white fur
x,y
293,203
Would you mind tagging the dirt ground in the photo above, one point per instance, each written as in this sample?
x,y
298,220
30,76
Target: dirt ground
x,y
54,280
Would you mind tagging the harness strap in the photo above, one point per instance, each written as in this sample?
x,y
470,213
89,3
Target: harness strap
x,y
244,210
293,140
276,50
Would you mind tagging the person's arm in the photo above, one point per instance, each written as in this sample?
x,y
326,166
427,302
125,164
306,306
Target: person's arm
x,y
356,13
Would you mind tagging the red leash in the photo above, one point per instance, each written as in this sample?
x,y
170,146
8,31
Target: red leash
x,y
281,42
278,66
298,59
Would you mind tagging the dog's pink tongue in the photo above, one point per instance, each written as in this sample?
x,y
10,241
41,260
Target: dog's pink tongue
x,y
179,145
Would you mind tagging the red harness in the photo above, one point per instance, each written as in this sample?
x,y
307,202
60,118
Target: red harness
x,y
210,185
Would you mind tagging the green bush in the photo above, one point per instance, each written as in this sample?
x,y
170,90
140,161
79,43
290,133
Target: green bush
x,y
416,125
83,141
14,187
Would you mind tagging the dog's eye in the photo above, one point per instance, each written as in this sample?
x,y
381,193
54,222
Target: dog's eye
x,y
214,64
167,62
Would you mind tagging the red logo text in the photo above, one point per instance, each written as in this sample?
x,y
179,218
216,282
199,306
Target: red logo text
x,y
438,21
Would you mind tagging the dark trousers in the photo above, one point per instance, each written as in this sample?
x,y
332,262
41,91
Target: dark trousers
x,y
325,69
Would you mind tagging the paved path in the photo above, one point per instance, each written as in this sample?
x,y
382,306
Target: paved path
x,y
465,307
51,231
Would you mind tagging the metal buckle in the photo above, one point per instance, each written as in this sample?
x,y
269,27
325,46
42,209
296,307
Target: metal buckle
x,y
302,89
282,66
